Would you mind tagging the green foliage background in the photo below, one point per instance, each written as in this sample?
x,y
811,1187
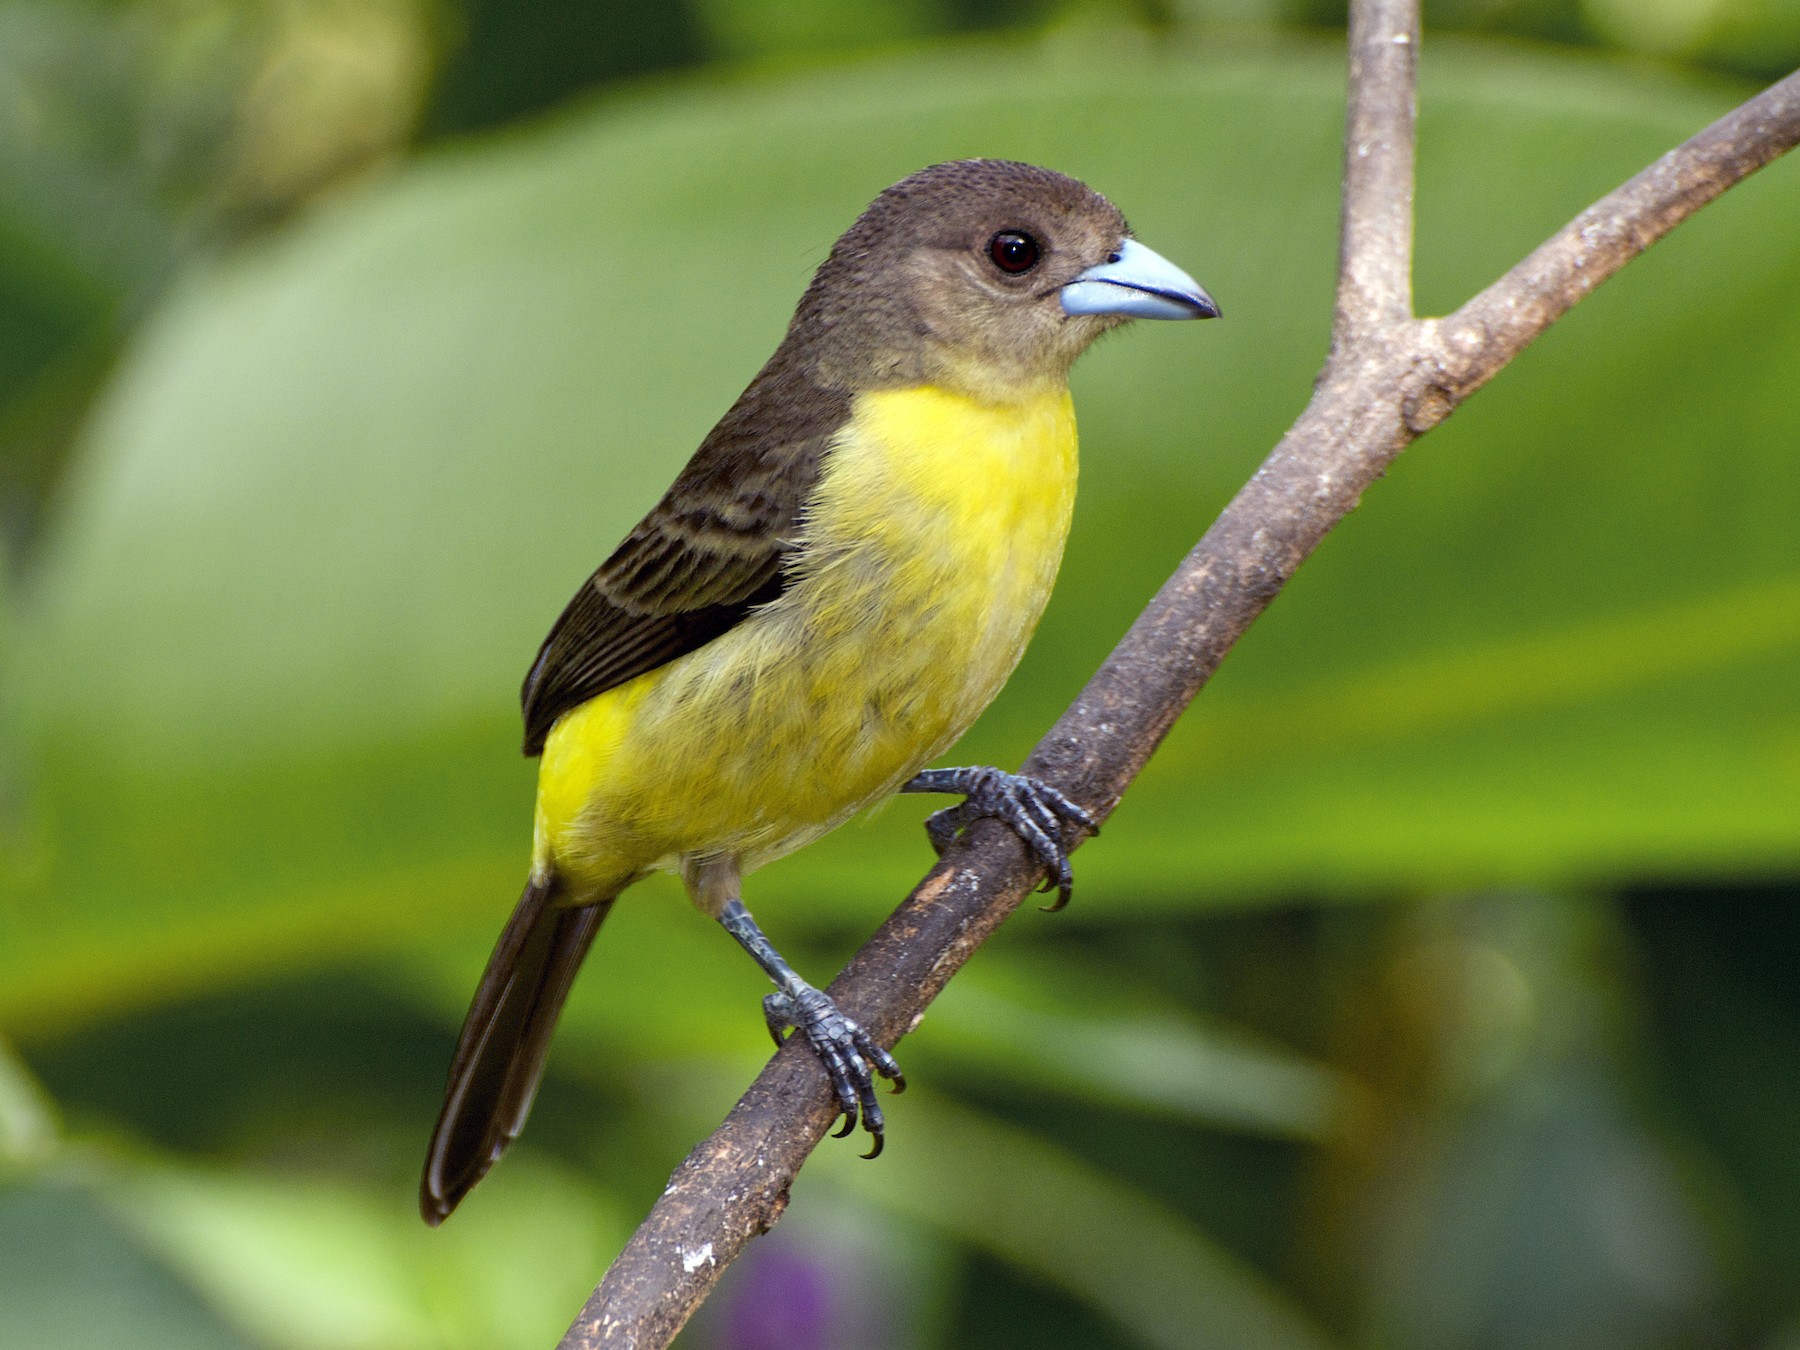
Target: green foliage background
x,y
335,362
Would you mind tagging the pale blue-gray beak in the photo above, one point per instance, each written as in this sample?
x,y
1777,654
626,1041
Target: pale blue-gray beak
x,y
1138,283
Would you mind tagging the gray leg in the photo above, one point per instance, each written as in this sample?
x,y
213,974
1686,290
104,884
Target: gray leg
x,y
1035,811
851,1057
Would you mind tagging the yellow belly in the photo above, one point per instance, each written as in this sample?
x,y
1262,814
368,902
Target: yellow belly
x,y
930,548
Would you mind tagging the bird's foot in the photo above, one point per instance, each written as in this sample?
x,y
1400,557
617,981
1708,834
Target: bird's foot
x,y
851,1057
1035,811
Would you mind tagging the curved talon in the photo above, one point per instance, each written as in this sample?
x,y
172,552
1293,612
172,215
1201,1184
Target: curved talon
x,y
851,1058
885,1065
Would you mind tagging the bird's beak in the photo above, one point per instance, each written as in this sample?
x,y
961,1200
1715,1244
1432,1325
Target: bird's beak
x,y
1138,283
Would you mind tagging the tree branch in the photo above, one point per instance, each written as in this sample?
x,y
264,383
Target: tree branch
x,y
1389,378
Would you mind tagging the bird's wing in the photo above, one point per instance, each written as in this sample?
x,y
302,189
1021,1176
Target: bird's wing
x,y
711,550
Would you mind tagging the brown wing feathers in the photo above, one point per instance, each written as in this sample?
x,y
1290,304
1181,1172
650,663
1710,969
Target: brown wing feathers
x,y
710,551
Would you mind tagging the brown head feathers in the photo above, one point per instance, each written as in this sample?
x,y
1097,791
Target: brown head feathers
x,y
951,277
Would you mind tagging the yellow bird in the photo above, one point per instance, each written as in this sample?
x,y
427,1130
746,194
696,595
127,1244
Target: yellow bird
x,y
838,582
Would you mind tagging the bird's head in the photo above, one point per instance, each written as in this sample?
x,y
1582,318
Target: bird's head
x,y
987,276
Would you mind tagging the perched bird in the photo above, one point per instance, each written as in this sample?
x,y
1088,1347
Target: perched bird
x,y
838,582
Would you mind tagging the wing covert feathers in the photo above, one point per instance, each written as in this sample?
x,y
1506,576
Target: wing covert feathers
x,y
713,549
500,1055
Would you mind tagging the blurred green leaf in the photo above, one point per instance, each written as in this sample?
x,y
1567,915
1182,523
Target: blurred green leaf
x,y
28,1126
302,1267
134,134
516,57
1032,1019
764,27
1760,37
70,1277
316,1265
345,482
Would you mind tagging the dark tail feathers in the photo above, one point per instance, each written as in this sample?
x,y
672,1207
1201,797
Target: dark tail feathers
x,y
505,1039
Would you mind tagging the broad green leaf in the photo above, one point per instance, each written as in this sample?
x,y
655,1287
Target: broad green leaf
x,y
346,480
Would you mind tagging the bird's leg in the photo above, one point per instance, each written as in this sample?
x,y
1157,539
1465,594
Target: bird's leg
x,y
851,1057
1035,811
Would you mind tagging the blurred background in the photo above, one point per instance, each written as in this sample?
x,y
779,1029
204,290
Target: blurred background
x,y
1434,988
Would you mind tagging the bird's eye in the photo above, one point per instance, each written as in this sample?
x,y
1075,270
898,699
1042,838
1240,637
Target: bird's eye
x,y
1014,251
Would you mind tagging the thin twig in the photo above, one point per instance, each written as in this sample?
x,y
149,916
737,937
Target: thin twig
x,y
1389,378
1375,242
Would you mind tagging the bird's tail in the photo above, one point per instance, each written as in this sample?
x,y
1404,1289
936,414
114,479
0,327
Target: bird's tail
x,y
500,1055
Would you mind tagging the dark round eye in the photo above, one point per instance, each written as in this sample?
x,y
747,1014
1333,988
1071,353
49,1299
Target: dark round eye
x,y
1014,251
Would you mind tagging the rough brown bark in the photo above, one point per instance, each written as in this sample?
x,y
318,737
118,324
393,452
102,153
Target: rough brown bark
x,y
1390,377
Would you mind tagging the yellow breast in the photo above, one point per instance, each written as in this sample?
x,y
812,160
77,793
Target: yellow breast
x,y
927,553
